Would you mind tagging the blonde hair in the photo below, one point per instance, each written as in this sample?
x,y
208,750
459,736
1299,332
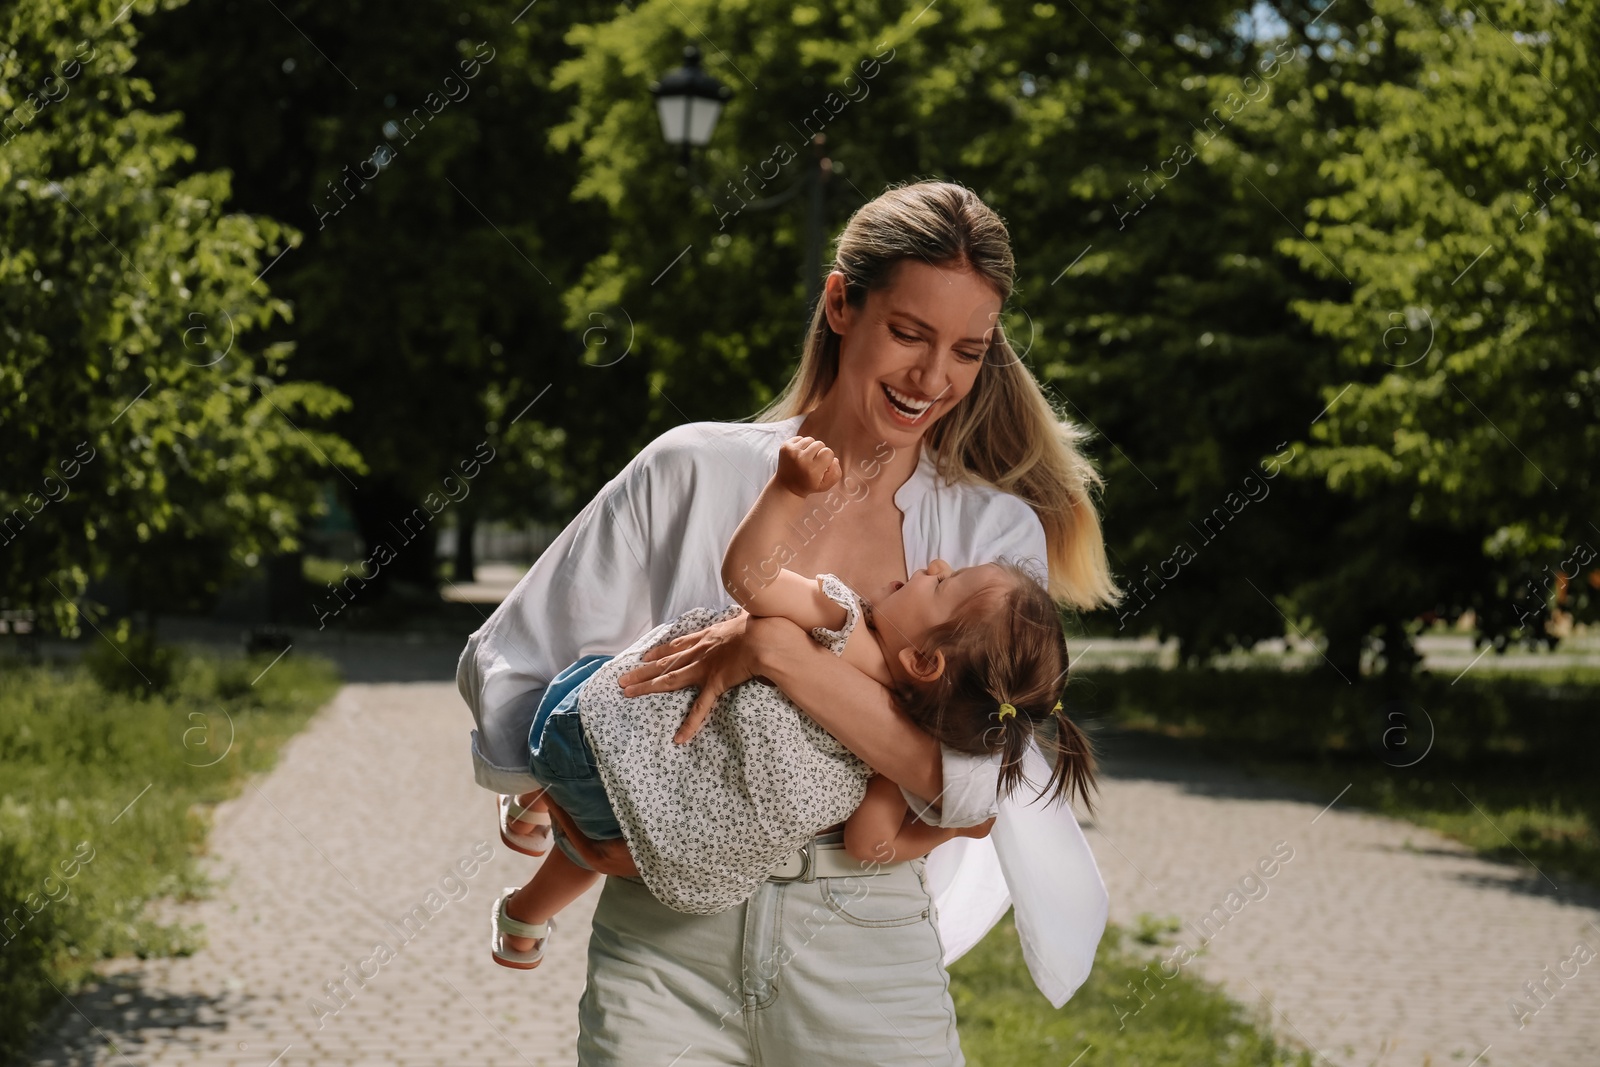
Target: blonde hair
x,y
1004,432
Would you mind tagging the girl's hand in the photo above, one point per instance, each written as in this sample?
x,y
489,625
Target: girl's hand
x,y
980,830
716,659
607,857
807,466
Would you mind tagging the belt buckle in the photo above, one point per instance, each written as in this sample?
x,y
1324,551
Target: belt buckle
x,y
807,853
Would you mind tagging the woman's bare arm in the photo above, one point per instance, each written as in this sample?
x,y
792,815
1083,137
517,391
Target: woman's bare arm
x,y
849,705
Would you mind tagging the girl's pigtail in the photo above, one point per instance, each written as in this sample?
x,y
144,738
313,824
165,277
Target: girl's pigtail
x,y
1074,765
1012,731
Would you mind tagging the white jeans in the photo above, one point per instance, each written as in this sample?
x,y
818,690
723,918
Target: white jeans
x,y
837,971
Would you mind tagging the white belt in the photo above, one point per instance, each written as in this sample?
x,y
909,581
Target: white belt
x,y
811,861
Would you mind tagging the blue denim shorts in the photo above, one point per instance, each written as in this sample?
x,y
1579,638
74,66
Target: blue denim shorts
x,y
560,757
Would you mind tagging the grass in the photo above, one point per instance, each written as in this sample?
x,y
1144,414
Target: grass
x,y
107,772
1499,762
1180,1021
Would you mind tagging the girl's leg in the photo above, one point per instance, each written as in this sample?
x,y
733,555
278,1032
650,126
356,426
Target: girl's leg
x,y
557,883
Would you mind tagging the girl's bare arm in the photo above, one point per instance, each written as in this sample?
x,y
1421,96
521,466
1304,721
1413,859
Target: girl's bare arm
x,y
752,568
883,830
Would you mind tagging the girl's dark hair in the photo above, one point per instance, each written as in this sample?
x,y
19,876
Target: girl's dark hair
x,y
1006,649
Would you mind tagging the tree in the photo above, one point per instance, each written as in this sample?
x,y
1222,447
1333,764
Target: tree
x,y
1461,200
142,430
438,228
1151,301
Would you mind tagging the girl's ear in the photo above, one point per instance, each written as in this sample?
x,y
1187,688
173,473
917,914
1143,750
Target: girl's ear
x,y
922,668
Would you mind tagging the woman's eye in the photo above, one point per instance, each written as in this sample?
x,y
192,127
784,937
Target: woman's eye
x,y
971,357
901,335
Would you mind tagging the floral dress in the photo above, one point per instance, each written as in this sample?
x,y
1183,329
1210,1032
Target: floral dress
x,y
708,821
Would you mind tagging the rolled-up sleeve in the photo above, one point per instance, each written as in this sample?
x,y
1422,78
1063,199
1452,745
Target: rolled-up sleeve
x,y
1006,528
971,785
588,592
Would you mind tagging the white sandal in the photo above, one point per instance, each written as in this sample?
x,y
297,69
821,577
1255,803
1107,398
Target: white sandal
x,y
505,924
534,844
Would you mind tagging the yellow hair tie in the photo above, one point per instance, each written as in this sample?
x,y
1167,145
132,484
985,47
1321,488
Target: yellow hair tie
x,y
1057,708
1007,711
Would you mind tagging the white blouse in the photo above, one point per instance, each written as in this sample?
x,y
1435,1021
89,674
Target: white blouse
x,y
649,547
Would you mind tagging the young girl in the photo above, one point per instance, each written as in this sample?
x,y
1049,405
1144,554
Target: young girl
x,y
976,657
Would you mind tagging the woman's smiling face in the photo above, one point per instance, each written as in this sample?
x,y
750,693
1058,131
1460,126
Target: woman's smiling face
x,y
913,350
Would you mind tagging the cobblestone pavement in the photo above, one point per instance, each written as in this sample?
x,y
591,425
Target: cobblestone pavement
x,y
1376,942
368,812
1372,941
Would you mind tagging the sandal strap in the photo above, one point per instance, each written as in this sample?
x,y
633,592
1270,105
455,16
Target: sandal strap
x,y
515,812
516,927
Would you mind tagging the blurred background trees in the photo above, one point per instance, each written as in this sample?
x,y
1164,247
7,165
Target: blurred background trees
x,y
148,418
1321,277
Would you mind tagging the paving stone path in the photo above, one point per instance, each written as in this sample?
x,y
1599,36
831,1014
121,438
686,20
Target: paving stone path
x,y
1378,943
364,820
1372,941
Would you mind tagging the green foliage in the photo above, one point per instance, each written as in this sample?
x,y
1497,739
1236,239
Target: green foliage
x,y
1181,195
1460,202
1183,1021
1233,251
131,661
135,420
437,233
100,808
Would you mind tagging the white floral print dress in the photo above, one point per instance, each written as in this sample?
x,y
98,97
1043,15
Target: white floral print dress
x,y
708,821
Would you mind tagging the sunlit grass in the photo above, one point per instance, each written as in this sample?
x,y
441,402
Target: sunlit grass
x,y
108,769
1179,1022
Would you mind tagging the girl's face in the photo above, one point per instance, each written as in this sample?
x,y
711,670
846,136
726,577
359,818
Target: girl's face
x,y
913,350
933,596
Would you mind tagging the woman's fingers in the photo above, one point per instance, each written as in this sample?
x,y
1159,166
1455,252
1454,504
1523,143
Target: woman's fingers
x,y
681,678
666,647
646,672
700,710
698,713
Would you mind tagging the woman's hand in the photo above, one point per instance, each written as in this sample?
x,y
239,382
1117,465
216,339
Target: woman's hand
x,y
607,857
716,659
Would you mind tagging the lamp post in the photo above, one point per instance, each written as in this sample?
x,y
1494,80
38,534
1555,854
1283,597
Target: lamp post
x,y
689,102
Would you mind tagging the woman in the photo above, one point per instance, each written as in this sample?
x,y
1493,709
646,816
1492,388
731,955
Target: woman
x,y
955,453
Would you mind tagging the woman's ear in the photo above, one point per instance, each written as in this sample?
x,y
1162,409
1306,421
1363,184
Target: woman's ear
x,y
922,668
833,301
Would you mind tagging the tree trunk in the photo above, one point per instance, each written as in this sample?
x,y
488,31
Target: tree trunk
x,y
396,528
1343,654
466,560
1400,656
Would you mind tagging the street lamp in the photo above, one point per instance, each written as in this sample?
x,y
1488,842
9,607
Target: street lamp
x,y
689,101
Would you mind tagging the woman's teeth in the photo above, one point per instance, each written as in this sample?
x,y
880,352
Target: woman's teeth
x,y
907,404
